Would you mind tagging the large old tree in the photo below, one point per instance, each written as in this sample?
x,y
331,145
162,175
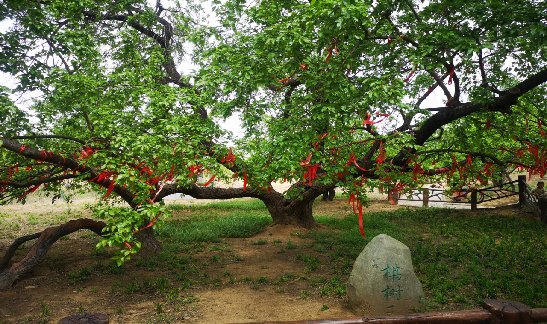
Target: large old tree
x,y
354,94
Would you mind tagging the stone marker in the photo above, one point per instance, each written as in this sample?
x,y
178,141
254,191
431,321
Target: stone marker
x,y
382,281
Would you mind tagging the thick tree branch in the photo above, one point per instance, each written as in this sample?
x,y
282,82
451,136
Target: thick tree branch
x,y
14,246
493,158
446,116
51,136
63,162
36,182
38,251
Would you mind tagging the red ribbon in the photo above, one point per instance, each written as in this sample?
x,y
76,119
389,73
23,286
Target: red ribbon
x,y
210,180
29,191
368,121
408,79
451,73
541,129
110,189
229,159
306,161
360,207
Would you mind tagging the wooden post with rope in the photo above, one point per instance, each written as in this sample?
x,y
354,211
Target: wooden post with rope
x,y
522,190
474,200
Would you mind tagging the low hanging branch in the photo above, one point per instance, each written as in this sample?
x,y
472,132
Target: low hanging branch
x,y
38,251
63,162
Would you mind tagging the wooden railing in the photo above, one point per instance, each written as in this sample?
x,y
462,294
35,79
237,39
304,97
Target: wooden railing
x,y
475,197
536,204
494,311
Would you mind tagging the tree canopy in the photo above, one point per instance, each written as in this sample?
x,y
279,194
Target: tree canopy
x,y
354,94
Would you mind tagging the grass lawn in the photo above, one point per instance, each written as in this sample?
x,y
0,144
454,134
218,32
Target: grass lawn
x,y
218,258
460,258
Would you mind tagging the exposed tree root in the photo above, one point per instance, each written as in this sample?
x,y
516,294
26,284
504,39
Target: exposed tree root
x,y
38,251
14,246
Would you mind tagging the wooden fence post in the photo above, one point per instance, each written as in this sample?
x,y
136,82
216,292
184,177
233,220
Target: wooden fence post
x,y
542,204
426,198
522,190
394,194
474,200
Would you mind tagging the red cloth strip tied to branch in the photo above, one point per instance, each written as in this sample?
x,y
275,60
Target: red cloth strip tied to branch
x,y
195,170
229,159
450,73
487,170
22,149
370,122
409,76
353,199
44,156
307,160
140,229
33,189
110,188
353,160
103,176
16,167
382,153
210,180
87,151
311,173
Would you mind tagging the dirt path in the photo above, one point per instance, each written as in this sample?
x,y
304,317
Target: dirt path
x,y
262,278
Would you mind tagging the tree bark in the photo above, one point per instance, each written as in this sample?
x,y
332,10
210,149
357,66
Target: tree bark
x,y
294,211
328,195
150,246
298,215
38,251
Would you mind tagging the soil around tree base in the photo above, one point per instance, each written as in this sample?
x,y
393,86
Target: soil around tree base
x,y
234,282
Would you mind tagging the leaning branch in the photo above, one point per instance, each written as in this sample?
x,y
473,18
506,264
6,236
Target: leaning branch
x,y
27,184
493,158
51,136
38,251
60,161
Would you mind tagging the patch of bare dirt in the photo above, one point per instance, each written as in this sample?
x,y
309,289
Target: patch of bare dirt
x,y
257,279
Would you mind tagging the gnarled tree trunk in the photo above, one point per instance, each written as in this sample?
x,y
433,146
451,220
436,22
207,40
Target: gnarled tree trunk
x,y
38,251
150,246
329,195
296,211
298,215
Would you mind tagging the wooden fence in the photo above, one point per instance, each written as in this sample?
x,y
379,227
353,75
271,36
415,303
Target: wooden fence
x,y
475,197
494,312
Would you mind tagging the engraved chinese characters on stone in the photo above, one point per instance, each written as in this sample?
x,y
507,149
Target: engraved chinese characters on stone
x,y
383,281
392,274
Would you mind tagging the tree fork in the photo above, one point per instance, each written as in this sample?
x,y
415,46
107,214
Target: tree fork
x,y
38,251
